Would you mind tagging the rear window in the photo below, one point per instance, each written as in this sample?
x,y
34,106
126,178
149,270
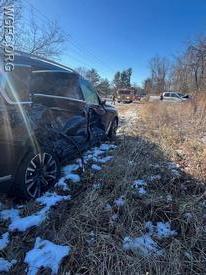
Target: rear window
x,y
56,84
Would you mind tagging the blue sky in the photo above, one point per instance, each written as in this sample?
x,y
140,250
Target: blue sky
x,y
112,35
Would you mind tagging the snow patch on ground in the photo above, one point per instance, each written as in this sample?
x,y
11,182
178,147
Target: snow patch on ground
x,y
96,186
4,240
11,214
154,178
174,168
160,230
107,147
5,265
47,255
69,175
120,201
143,245
51,199
96,167
139,186
105,159
94,155
22,224
91,239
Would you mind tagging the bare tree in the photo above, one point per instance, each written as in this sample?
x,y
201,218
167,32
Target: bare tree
x,y
45,41
189,71
159,68
148,86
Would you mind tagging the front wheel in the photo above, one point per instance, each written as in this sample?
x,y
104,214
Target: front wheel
x,y
113,130
37,173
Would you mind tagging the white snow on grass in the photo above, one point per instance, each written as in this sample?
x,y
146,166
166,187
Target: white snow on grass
x,y
105,159
96,186
71,168
175,173
91,238
4,241
11,214
160,230
51,199
96,167
172,165
47,255
143,245
23,223
69,175
174,168
5,265
139,186
95,154
142,191
62,184
154,178
139,183
73,177
120,201
107,147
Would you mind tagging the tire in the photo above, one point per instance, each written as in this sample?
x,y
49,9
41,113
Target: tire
x,y
37,173
113,129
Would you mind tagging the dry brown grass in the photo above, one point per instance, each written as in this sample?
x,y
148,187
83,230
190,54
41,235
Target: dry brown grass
x,y
160,133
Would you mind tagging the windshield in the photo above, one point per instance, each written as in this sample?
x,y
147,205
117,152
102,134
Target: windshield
x,y
125,92
180,94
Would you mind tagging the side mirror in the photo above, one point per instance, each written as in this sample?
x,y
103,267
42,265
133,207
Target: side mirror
x,y
103,102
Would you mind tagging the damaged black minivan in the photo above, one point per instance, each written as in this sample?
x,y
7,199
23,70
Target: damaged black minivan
x,y
48,114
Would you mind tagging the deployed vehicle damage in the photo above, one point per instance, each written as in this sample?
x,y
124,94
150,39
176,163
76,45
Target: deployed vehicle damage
x,y
48,114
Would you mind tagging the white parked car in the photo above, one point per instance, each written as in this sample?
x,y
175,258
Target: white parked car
x,y
174,97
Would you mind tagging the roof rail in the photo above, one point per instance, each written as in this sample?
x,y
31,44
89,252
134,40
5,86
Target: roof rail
x,y
45,60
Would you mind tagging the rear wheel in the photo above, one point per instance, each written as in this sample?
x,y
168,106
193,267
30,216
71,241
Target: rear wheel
x,y
37,173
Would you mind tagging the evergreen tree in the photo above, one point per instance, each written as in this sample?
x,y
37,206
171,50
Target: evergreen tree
x,y
104,88
93,76
122,79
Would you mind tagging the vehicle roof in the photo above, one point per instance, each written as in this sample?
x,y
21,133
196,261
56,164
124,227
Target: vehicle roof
x,y
37,63
125,89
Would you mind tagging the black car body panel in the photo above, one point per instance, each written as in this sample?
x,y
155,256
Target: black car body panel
x,y
44,104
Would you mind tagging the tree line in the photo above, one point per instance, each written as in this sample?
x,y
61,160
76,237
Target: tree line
x,y
121,80
185,73
48,40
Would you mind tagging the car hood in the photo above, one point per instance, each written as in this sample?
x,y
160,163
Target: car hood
x,y
110,108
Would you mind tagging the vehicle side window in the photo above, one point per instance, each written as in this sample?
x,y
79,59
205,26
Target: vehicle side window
x,y
174,95
56,84
89,93
17,84
167,94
